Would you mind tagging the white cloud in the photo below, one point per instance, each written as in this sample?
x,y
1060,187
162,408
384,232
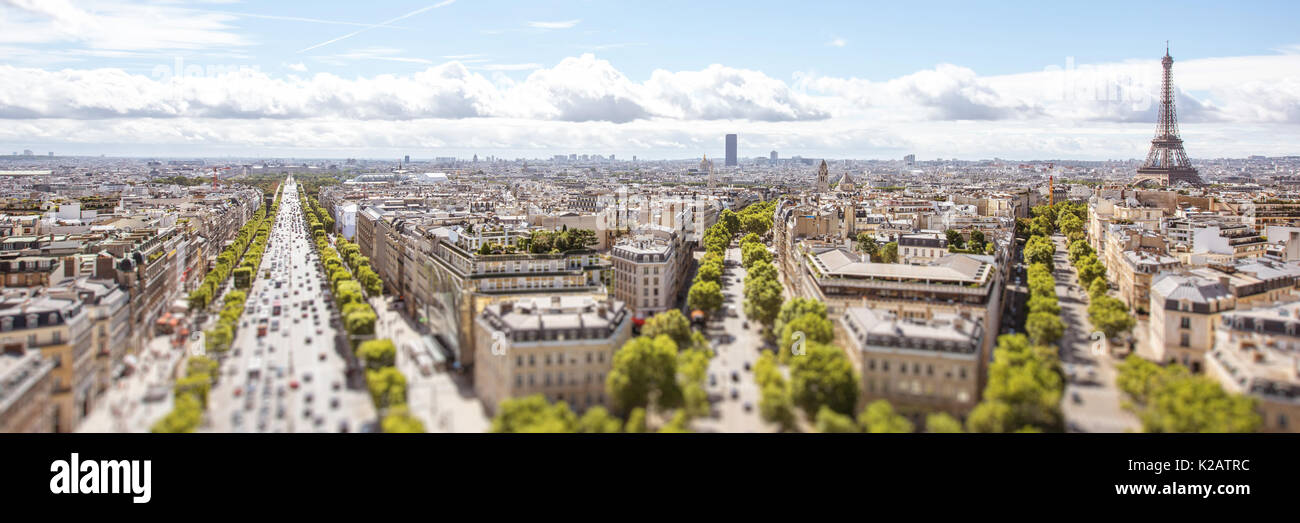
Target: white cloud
x,y
565,24
108,25
1227,106
837,42
504,67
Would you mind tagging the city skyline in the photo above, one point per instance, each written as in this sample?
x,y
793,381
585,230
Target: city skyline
x,y
333,81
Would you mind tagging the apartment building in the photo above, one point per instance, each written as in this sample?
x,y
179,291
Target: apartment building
x,y
60,330
919,365
448,285
650,269
25,391
559,346
964,285
921,248
1257,353
1184,311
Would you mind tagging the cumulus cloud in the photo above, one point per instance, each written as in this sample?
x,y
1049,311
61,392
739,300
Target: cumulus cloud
x,y
577,89
719,93
1227,106
947,92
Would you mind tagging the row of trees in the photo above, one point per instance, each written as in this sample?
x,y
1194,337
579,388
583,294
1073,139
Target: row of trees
x,y
191,392
755,219
387,384
1107,313
1025,381
821,377
358,316
1172,399
662,371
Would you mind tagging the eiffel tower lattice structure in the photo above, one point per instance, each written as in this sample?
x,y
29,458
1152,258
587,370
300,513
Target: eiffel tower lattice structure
x,y
1167,163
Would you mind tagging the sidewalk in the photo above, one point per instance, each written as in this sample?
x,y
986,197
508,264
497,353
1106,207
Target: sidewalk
x,y
123,408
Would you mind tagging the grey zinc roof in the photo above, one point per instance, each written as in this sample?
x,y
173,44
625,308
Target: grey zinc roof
x,y
1192,288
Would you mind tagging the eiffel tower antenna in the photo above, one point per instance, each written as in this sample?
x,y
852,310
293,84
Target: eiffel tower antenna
x,y
1167,163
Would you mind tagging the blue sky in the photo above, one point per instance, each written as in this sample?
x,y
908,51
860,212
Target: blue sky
x,y
842,79
881,40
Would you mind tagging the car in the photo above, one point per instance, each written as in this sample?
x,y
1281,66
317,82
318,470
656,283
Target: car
x,y
293,384
713,380
747,366
343,426
335,385
748,406
1076,397
307,340
735,394
279,393
306,376
238,391
735,376
334,403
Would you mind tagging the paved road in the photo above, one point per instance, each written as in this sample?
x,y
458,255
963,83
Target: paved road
x,y
734,345
1098,406
298,348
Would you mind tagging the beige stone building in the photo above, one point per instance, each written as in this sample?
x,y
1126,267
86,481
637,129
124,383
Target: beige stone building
x,y
1184,311
650,270
25,390
560,347
60,330
920,366
1257,353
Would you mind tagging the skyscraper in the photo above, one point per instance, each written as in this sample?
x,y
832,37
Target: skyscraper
x,y
731,151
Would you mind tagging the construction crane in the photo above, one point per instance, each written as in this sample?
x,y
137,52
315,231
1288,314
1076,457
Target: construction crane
x,y
215,184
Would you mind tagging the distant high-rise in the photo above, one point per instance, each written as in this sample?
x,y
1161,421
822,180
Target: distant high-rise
x,y
731,151
406,159
475,159
772,158
910,160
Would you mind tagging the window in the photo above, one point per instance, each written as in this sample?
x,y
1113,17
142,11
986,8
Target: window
x,y
1185,323
1184,340
532,362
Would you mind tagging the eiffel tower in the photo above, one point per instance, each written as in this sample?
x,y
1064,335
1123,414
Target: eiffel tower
x,y
1167,162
